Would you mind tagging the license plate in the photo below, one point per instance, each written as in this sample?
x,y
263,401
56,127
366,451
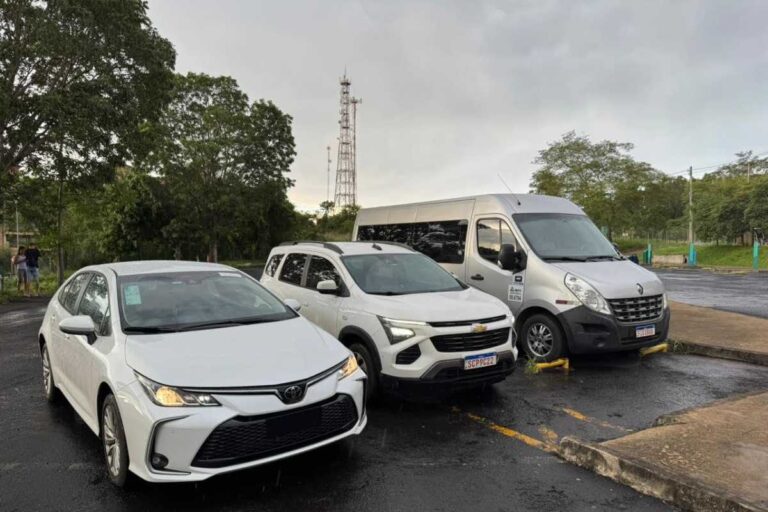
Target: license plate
x,y
643,331
479,361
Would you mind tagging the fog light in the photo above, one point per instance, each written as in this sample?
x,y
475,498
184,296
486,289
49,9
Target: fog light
x,y
159,461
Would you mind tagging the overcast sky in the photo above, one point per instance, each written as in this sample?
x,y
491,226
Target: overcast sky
x,y
456,92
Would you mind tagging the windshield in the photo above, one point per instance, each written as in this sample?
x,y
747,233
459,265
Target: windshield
x,y
560,236
180,301
399,274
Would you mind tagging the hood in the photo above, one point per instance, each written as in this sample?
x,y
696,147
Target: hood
x,y
615,279
469,304
246,355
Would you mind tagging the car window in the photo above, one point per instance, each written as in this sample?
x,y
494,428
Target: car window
x,y
293,268
95,303
73,291
491,235
320,269
272,264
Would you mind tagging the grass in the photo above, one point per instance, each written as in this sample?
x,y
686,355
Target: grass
x,y
48,286
709,255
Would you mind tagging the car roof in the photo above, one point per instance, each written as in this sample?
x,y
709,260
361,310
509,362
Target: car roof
x,y
346,248
127,268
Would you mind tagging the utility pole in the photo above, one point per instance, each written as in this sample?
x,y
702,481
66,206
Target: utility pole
x,y
16,204
691,247
328,176
749,170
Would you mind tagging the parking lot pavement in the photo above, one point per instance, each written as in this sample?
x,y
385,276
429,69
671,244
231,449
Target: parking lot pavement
x,y
477,451
739,293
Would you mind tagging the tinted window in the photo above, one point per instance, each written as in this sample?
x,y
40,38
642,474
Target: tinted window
x,y
272,264
320,269
491,235
399,274
73,291
443,241
95,303
293,268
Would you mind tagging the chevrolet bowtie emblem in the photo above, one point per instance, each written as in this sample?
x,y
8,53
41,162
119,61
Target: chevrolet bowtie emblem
x,y
479,328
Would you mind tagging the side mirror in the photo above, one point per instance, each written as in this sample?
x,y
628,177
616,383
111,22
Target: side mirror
x,y
328,287
293,304
80,325
511,259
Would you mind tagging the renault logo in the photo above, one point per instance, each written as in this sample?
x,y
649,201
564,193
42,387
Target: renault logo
x,y
292,394
479,328
640,289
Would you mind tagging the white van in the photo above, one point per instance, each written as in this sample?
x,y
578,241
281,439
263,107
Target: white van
x,y
568,287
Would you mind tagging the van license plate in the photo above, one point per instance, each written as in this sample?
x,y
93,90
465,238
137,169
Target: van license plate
x,y
643,331
479,361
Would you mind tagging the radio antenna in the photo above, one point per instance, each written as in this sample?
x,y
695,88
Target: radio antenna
x,y
510,190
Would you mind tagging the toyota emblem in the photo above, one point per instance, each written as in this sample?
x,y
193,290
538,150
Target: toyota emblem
x,y
640,289
292,394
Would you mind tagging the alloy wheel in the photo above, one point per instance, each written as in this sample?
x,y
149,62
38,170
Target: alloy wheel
x,y
540,340
111,442
47,376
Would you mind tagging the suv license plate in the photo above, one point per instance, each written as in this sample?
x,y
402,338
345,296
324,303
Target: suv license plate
x,y
643,331
479,361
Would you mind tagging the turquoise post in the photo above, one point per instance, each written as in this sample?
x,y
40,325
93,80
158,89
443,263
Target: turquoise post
x,y
692,255
650,254
756,255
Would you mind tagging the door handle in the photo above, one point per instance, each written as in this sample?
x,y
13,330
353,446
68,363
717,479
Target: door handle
x,y
477,277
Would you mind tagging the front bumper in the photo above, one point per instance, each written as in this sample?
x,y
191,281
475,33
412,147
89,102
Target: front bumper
x,y
589,332
179,433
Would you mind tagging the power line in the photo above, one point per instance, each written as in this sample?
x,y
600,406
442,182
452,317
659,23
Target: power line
x,y
689,170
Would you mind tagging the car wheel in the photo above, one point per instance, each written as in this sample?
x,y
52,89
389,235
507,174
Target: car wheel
x,y
113,440
51,393
366,363
542,338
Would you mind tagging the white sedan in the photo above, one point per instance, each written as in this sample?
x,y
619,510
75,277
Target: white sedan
x,y
186,370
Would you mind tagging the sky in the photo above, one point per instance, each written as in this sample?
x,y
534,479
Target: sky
x,y
457,93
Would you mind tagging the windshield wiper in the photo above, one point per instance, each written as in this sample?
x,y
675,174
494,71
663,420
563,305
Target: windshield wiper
x,y
563,258
603,256
223,323
388,293
149,329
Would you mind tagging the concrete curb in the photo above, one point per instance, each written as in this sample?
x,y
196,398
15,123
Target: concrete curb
x,y
650,480
745,356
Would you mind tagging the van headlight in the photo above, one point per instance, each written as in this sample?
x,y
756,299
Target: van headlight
x,y
399,330
587,294
168,396
349,367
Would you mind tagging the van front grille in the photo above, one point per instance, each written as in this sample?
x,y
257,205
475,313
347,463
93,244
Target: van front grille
x,y
637,309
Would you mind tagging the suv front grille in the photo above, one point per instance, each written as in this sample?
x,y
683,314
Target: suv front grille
x,y
243,439
468,342
637,309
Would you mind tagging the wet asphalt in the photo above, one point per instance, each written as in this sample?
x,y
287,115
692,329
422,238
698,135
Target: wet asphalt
x,y
740,293
477,451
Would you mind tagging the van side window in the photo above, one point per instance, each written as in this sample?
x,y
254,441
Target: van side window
x,y
293,268
272,264
491,235
443,241
320,269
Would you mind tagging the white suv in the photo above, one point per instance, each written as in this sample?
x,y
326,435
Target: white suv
x,y
409,322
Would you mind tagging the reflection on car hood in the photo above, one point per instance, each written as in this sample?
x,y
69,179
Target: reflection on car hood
x,y
615,279
247,355
469,304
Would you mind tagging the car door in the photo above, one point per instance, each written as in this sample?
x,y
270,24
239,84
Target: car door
x,y
87,357
61,351
322,309
483,272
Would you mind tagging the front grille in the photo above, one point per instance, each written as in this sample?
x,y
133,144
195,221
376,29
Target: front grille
x,y
637,309
468,342
459,323
243,439
408,355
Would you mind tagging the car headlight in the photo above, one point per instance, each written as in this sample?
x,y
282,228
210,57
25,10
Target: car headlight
x,y
399,330
168,396
587,294
349,367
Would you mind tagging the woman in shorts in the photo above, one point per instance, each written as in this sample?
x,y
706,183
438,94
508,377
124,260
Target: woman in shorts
x,y
22,278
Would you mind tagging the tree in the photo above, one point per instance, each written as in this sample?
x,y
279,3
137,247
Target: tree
x,y
78,80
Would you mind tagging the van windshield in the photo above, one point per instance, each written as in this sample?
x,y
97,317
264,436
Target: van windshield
x,y
565,237
399,274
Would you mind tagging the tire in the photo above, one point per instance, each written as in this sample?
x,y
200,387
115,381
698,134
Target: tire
x,y
49,386
113,442
542,338
368,364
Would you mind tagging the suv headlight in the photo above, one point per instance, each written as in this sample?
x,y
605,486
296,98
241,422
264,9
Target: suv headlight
x,y
664,303
399,330
349,367
168,396
587,294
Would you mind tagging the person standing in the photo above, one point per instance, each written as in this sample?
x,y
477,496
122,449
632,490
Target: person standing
x,y
20,262
33,267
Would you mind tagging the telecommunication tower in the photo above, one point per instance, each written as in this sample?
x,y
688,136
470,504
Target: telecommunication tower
x,y
346,171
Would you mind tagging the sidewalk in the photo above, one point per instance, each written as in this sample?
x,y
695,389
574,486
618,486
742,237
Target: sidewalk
x,y
711,458
722,334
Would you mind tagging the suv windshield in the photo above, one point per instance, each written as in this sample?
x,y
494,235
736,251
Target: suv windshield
x,y
568,237
399,274
182,301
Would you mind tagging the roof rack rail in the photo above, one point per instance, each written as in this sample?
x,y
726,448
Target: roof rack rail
x,y
398,244
328,245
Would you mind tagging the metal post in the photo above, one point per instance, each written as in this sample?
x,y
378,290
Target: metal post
x,y
16,204
328,177
755,254
691,246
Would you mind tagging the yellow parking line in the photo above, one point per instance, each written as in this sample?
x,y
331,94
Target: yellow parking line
x,y
508,432
588,419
